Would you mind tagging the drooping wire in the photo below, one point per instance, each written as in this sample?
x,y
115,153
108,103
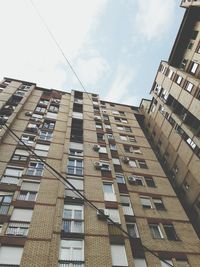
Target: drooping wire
x,y
61,178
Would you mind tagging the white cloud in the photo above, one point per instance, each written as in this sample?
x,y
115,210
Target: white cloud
x,y
120,86
27,51
92,70
154,17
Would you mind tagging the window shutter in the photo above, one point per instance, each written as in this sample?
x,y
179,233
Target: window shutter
x,y
118,254
27,186
22,152
77,146
23,215
10,255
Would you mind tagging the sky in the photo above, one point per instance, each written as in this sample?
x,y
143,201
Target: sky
x,y
115,46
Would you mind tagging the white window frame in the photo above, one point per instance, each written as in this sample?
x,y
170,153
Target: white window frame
x,y
146,202
194,67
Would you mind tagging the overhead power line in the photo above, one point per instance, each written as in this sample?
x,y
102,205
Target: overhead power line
x,y
64,181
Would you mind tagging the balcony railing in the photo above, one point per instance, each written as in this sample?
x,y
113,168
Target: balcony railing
x,y
63,263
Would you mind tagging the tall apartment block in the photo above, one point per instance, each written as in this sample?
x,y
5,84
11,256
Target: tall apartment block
x,y
173,119
100,148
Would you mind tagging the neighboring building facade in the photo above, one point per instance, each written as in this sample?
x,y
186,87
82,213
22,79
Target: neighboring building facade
x,y
102,150
173,119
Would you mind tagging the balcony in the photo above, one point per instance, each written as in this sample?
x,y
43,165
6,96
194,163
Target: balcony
x,y
63,263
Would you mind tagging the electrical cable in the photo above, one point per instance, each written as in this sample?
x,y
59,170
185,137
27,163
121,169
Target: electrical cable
x,y
83,197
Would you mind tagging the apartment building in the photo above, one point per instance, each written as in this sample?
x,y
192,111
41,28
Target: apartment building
x,y
100,148
173,118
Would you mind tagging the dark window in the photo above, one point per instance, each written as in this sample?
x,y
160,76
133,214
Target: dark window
x,y
194,35
142,164
149,181
78,108
78,95
170,232
158,204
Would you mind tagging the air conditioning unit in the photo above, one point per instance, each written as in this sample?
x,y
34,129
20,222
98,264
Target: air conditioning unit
x,y
131,180
125,159
28,113
97,165
96,147
102,214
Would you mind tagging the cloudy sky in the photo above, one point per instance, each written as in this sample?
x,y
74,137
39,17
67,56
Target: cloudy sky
x,y
115,46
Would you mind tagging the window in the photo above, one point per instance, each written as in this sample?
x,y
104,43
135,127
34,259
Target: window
x,y
100,137
114,215
178,79
11,175
43,102
158,204
113,147
27,196
41,150
132,163
118,254
133,230
132,138
51,115
155,231
170,73
21,215
77,183
20,155
136,180
116,161
99,125
107,126
5,255
53,108
32,127
49,125
142,164
149,181
45,135
115,112
40,110
5,200
126,205
73,219
76,152
124,128
103,150
123,137
122,120
17,229
71,253
105,166
120,178
194,67
35,168
170,232
189,86
109,193
29,140
140,263
194,34
75,166
110,137
146,202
